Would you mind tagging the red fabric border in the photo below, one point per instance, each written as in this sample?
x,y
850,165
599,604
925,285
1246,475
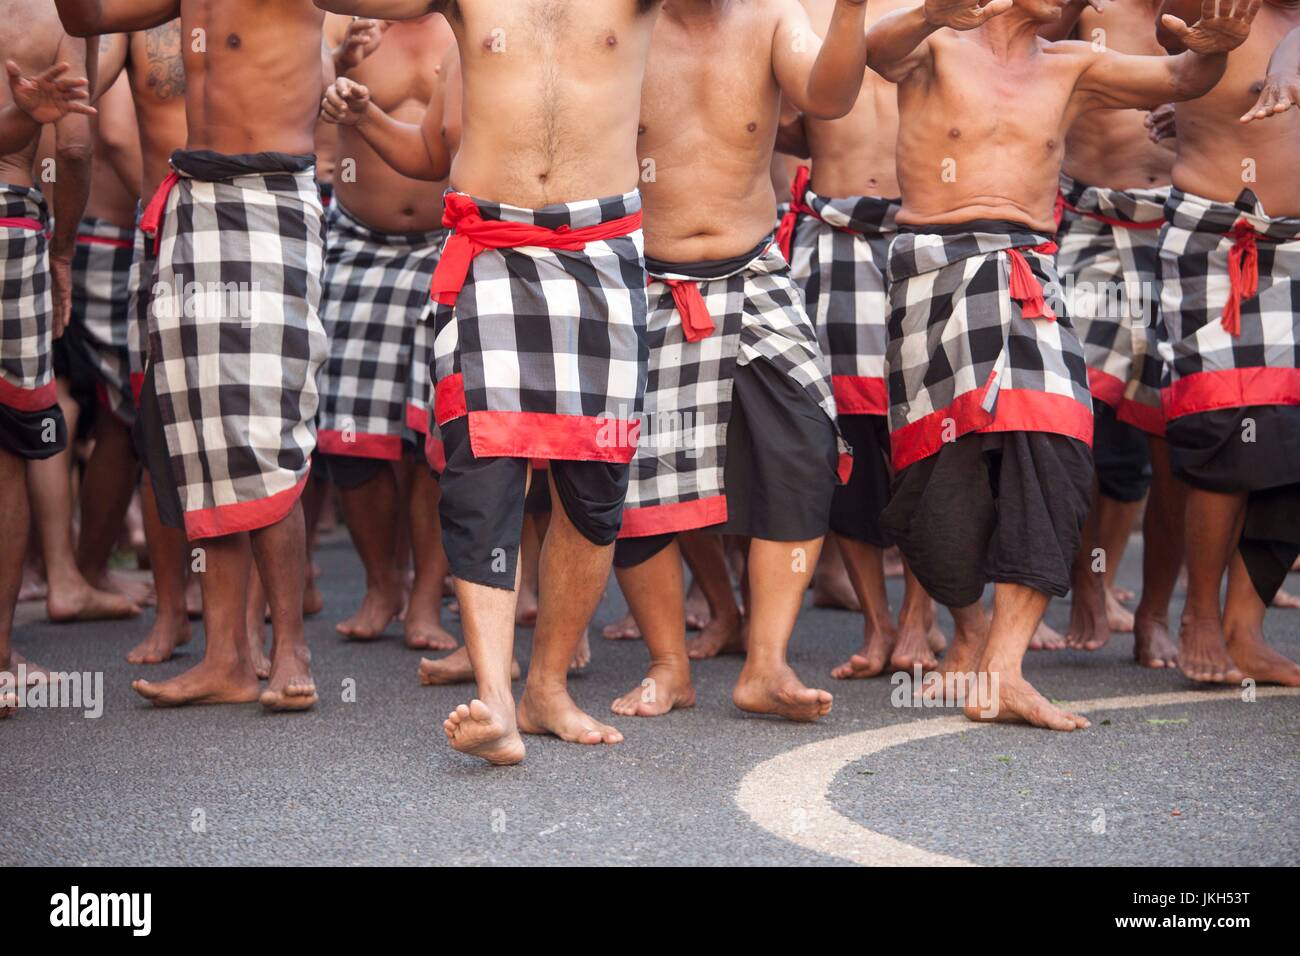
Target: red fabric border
x,y
1231,388
242,515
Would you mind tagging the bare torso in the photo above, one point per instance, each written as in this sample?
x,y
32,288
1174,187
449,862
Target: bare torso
x,y
985,136
854,155
551,89
1218,156
253,74
1111,148
115,184
709,113
400,75
158,87
30,35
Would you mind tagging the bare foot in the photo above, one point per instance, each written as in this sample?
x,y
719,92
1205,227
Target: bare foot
x,y
624,629
455,668
526,608
33,587
725,635
207,682
138,591
1046,638
913,645
476,729
556,713
1152,646
193,598
424,631
666,687
1203,653
1089,629
780,693
166,634
1014,700
377,611
1123,595
313,602
833,590
257,652
870,660
1284,598
581,655
697,608
290,686
1251,653
84,603
1118,618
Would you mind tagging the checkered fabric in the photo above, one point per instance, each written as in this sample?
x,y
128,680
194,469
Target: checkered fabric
x,y
838,256
26,307
236,341
963,357
544,349
1229,304
757,312
1109,273
101,305
375,293
140,281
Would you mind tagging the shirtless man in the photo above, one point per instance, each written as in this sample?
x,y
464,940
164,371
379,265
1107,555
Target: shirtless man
x,y
550,94
990,430
839,229
1113,188
33,46
239,450
385,230
1229,259
152,62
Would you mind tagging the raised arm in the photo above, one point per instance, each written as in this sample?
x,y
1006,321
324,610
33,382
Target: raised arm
x,y
1115,80
896,44
113,49
38,99
1282,81
414,151
822,77
384,9
85,18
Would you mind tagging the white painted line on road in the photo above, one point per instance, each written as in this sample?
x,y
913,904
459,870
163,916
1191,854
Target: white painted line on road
x,y
787,795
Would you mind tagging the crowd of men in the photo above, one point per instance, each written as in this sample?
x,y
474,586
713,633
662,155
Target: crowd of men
x,y
506,286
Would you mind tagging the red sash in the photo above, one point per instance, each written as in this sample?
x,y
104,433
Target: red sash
x,y
785,231
1243,272
151,218
1024,286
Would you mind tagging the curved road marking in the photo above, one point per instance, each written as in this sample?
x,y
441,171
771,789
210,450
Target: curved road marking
x,y
787,794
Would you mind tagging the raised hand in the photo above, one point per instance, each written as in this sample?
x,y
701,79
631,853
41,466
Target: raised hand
x,y
1280,93
362,39
345,102
963,14
1224,26
1160,123
49,95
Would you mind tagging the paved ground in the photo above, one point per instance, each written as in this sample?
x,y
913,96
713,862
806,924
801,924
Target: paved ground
x,y
1206,781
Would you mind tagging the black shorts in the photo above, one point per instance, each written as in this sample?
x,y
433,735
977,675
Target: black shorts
x,y
856,506
150,441
1122,456
1255,450
780,472
70,358
482,506
33,435
1003,507
353,471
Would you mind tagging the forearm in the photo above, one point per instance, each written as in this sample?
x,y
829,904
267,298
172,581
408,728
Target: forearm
x,y
1193,74
836,76
72,189
401,145
17,129
84,18
383,9
894,38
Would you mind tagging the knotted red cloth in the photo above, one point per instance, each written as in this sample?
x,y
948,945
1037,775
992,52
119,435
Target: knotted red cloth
x,y
472,234
785,231
696,321
1024,285
151,218
1243,272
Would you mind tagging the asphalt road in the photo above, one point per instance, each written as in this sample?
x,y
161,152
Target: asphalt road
x,y
1211,781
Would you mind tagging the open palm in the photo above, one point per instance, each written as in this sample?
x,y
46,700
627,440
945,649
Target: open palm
x,y
963,14
49,95
1224,26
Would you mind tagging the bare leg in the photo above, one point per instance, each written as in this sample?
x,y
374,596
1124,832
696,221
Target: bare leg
x,y
573,575
916,627
654,593
1243,622
832,583
168,559
1089,630
707,560
1162,557
1114,527
423,621
866,570
530,552
370,512
14,519
1213,529
779,573
255,614
1002,691
280,551
225,675
314,499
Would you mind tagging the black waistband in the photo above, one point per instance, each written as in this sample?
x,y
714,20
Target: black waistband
x,y
998,227
210,166
708,268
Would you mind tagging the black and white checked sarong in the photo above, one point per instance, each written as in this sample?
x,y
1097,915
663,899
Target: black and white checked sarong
x,y
1214,256
26,309
140,282
101,294
1110,274
375,294
236,341
838,257
544,348
757,313
962,357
